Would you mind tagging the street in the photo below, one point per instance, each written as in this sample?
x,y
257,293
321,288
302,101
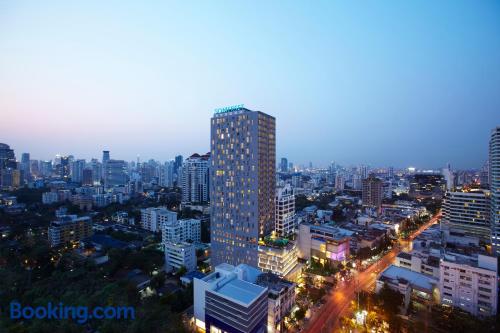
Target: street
x,y
338,302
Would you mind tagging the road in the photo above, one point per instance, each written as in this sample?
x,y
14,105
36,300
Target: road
x,y
338,302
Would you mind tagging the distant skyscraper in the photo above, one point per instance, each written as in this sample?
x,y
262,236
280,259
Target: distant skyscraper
x,y
115,173
449,177
339,182
242,184
363,171
87,177
177,163
484,175
495,189
167,174
105,156
77,168
25,167
372,192
284,164
194,179
7,157
63,168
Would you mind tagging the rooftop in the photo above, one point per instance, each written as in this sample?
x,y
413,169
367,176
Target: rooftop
x,y
241,291
405,275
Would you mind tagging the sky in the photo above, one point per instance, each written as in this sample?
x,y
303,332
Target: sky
x,y
384,83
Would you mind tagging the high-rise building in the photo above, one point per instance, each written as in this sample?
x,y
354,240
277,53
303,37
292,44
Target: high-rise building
x,y
167,174
105,156
77,168
495,189
177,163
285,211
194,179
484,175
242,184
25,167
87,177
284,165
7,157
115,173
372,193
469,212
339,182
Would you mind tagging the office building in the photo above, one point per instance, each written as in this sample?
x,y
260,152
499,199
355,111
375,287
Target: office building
x,y
194,179
115,173
284,165
469,212
494,175
286,223
229,300
372,192
69,228
242,184
7,157
167,174
469,283
152,219
177,163
339,182
25,167
178,255
427,186
76,171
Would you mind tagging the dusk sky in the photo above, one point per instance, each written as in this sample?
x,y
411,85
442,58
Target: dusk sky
x,y
378,82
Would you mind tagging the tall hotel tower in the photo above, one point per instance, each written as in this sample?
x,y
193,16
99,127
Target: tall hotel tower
x,y
495,190
243,183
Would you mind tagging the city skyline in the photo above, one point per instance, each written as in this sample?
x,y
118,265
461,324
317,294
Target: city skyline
x,y
140,80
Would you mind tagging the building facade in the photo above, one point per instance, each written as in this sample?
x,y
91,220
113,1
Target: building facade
x,y
242,184
372,192
470,283
286,223
178,255
69,228
195,179
468,211
152,219
494,178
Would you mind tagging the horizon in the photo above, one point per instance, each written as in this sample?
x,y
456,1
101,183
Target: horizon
x,y
375,84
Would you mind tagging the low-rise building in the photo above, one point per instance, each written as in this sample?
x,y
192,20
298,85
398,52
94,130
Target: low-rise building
x,y
69,228
278,256
469,283
174,230
153,218
323,242
229,300
281,299
420,262
179,255
420,289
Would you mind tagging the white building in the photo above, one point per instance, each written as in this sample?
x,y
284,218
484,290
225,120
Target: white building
x,y
181,230
285,211
229,300
152,218
494,177
179,255
420,262
469,283
416,287
278,257
194,179
167,174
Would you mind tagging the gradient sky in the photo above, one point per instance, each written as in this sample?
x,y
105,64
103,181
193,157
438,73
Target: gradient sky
x,y
379,82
